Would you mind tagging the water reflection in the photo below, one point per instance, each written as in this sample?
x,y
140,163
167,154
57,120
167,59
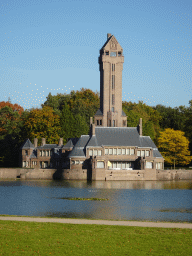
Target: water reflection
x,y
128,200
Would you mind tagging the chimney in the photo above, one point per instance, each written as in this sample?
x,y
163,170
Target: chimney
x,y
140,127
61,142
35,142
91,120
43,142
93,129
108,35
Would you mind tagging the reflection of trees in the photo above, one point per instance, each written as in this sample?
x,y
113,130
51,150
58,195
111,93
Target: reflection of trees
x,y
177,184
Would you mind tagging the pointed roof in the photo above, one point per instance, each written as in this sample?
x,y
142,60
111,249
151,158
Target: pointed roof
x,y
93,142
111,43
99,113
123,113
34,154
79,148
27,144
71,143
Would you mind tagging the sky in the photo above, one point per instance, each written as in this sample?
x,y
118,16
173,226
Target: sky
x,y
53,46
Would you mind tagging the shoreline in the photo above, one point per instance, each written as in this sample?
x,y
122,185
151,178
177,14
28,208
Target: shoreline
x,y
98,222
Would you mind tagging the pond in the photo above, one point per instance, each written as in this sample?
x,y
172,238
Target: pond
x,y
124,200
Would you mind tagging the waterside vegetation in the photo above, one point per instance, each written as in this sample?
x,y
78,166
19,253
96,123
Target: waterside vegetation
x,y
67,116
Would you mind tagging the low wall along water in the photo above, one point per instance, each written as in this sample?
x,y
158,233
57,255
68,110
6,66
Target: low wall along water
x,y
49,174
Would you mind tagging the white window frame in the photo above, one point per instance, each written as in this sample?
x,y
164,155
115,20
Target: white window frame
x,y
114,151
149,165
91,152
100,164
127,151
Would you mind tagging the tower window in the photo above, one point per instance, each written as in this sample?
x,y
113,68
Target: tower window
x,y
107,52
113,99
101,122
119,54
113,81
113,67
113,109
97,122
113,54
113,123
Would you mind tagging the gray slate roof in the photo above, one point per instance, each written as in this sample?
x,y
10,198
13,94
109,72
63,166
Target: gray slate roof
x,y
49,146
113,136
71,142
117,136
99,113
27,144
93,142
156,153
79,149
34,154
123,113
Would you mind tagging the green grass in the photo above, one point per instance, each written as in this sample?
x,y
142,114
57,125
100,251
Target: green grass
x,y
31,238
83,198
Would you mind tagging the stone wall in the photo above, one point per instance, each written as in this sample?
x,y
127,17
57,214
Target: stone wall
x,y
97,174
174,175
44,174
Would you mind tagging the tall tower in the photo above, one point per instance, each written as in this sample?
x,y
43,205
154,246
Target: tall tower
x,y
111,65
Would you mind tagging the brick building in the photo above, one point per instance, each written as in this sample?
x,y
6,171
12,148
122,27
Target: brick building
x,y
111,151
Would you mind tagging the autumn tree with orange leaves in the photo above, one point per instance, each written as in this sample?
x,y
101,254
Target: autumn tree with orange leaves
x,y
15,107
42,123
10,133
10,115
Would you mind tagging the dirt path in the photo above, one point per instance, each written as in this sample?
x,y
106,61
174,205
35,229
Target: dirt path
x,y
102,222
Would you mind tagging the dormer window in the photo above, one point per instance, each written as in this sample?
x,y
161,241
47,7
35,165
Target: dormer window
x,y
113,54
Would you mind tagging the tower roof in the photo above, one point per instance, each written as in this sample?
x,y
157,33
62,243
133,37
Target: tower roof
x,y
112,44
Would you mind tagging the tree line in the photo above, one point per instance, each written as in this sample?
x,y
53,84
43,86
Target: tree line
x,y
68,116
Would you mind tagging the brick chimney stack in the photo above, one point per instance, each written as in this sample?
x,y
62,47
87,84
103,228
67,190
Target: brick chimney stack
x,y
61,142
108,35
91,120
43,142
140,127
93,129
35,142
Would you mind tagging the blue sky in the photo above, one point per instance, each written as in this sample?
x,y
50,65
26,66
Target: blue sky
x,y
53,46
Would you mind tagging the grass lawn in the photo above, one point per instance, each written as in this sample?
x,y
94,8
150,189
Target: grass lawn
x,y
31,238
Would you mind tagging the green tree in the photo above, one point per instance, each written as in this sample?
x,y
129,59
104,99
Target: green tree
x,y
174,147
188,124
150,117
72,126
67,123
42,123
172,117
84,102
10,131
9,121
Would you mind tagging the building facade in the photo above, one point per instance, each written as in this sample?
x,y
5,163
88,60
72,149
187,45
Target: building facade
x,y
111,151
